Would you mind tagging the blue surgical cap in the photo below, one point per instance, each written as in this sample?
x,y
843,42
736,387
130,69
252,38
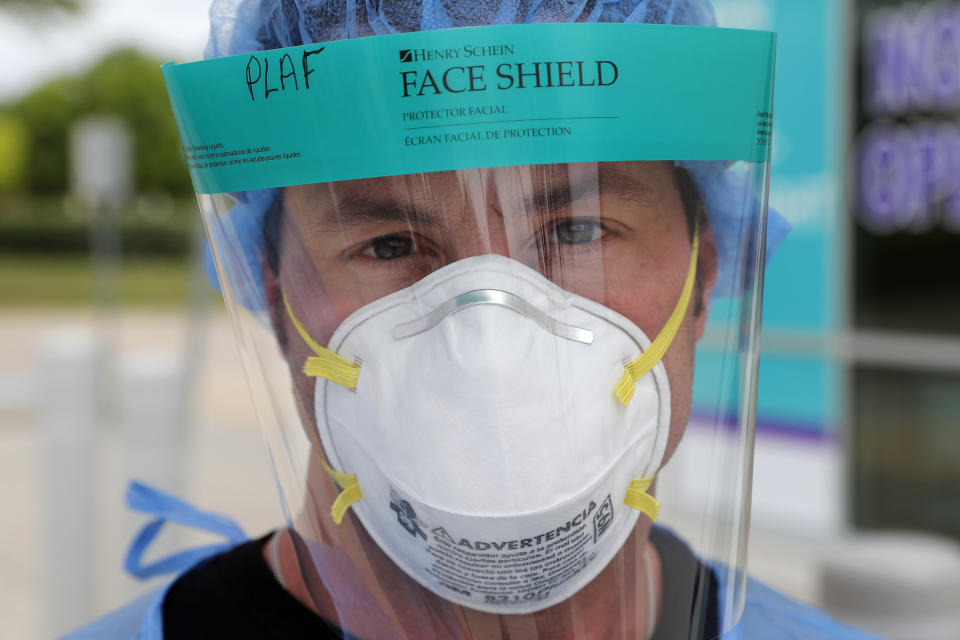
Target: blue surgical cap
x,y
244,26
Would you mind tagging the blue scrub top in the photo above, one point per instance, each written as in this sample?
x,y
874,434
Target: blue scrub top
x,y
767,614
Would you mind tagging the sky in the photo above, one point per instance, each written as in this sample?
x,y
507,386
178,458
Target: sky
x,y
33,50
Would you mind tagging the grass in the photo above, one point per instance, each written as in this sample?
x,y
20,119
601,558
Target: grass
x,y
32,280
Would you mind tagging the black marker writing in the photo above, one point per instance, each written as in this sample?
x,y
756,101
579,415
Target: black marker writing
x,y
266,79
285,77
251,82
308,72
286,59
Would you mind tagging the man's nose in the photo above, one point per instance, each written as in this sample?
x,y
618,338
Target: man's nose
x,y
481,237
480,228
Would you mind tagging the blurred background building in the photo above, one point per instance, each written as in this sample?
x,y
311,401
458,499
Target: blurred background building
x,y
118,361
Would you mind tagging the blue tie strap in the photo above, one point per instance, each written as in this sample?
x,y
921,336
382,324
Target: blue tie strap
x,y
167,508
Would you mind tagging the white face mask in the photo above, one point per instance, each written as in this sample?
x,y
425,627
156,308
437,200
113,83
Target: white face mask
x,y
483,434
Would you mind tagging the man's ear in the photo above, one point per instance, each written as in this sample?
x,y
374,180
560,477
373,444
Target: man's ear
x,y
706,278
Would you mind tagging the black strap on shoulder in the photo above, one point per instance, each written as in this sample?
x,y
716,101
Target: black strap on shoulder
x,y
690,609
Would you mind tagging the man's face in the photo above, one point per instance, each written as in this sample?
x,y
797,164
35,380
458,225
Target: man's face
x,y
616,233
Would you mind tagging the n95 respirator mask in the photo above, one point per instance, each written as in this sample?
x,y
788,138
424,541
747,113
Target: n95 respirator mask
x,y
478,426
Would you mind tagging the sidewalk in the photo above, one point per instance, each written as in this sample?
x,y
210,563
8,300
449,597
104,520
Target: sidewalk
x,y
226,467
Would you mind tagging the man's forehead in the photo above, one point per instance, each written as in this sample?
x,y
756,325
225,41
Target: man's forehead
x,y
424,198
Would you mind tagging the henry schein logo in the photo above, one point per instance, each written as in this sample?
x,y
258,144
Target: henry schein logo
x,y
429,55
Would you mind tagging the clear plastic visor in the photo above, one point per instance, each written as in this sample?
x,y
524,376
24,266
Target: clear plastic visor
x,y
489,298
441,363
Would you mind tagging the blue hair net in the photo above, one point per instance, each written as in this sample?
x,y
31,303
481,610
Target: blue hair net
x,y
244,26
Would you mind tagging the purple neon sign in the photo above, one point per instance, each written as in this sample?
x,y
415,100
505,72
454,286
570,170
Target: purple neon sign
x,y
913,60
909,172
909,176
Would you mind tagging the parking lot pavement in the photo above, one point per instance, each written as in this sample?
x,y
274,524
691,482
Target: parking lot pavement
x,y
221,466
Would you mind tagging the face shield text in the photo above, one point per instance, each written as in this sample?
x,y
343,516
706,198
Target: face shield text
x,y
522,75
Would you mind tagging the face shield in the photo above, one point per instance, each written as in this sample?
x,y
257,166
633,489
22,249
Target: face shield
x,y
468,271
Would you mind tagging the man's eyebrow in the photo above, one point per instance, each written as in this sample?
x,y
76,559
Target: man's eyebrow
x,y
559,194
356,211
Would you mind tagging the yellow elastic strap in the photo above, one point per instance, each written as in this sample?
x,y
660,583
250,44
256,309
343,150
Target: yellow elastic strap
x,y
649,358
638,498
326,364
350,494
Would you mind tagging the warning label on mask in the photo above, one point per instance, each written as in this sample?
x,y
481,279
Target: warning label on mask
x,y
519,570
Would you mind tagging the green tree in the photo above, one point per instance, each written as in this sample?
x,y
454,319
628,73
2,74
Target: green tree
x,y
35,6
46,114
13,152
126,83
130,85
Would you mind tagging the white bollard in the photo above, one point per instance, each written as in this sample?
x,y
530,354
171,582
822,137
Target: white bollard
x,y
68,415
151,414
147,445
900,585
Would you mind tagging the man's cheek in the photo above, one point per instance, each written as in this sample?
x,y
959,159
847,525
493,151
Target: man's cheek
x,y
679,362
296,355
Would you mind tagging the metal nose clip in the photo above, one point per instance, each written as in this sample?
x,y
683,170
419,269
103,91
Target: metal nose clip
x,y
498,298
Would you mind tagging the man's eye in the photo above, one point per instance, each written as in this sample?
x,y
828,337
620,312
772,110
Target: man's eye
x,y
390,247
576,231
